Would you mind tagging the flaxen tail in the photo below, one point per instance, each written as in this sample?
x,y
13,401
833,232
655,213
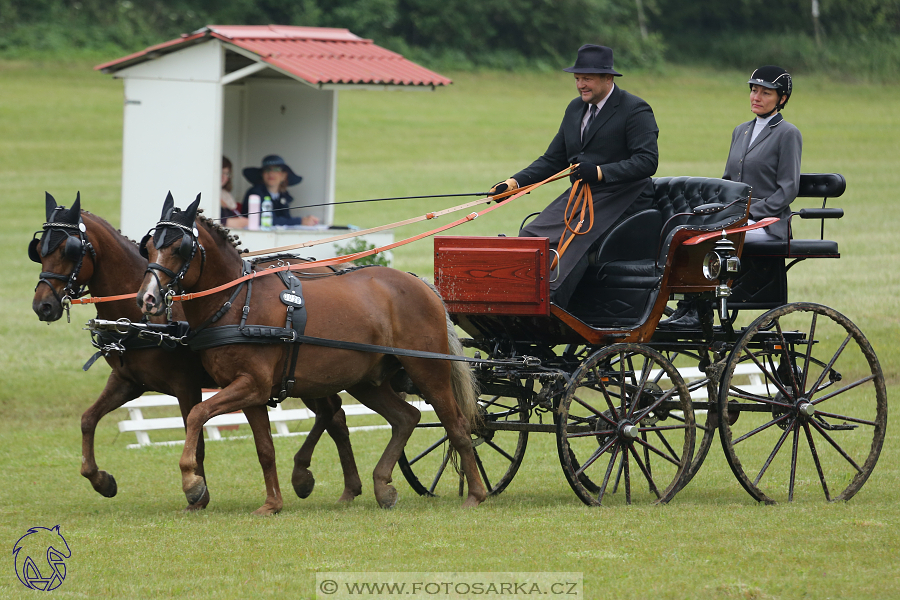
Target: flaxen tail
x,y
465,388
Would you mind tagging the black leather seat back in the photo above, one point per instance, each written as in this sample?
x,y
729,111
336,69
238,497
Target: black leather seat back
x,y
620,286
677,197
821,185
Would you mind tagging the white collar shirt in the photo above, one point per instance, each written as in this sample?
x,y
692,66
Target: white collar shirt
x,y
587,113
760,125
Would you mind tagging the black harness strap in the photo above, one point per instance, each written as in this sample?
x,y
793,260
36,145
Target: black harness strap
x,y
233,334
292,297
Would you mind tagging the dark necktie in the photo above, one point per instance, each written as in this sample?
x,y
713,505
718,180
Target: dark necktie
x,y
589,121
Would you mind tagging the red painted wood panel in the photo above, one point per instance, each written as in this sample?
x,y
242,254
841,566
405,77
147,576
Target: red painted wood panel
x,y
492,275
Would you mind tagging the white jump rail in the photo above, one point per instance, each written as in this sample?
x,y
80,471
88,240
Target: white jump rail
x,y
141,427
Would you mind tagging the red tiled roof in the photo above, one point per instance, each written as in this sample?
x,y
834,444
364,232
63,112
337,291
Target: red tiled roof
x,y
318,55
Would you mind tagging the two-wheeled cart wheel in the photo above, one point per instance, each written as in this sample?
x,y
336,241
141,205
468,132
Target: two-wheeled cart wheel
x,y
625,434
499,442
812,420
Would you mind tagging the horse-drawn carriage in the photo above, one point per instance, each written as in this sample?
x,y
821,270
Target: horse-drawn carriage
x,y
797,395
634,405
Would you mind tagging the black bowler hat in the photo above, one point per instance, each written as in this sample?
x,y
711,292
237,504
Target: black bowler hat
x,y
594,59
254,174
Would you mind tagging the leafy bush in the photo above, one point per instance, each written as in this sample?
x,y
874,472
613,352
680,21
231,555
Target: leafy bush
x,y
361,245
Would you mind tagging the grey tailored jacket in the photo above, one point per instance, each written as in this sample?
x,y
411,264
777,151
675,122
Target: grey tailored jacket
x,y
621,141
771,165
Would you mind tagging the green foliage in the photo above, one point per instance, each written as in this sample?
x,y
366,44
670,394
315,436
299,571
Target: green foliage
x,y
361,245
865,59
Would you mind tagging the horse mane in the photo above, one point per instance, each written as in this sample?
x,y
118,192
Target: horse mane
x,y
223,233
116,233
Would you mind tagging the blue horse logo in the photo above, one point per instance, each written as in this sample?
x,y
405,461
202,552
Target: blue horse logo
x,y
40,558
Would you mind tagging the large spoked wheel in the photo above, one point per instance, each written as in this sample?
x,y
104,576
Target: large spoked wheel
x,y
430,469
807,405
624,434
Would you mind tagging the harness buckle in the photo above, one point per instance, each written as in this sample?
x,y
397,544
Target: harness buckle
x,y
169,300
66,303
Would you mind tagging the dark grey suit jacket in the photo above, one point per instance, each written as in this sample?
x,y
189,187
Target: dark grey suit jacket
x,y
621,140
771,165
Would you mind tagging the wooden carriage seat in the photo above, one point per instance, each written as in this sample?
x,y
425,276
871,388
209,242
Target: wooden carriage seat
x,y
762,283
623,279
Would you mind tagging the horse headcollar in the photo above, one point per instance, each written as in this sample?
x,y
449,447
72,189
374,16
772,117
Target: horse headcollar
x,y
63,226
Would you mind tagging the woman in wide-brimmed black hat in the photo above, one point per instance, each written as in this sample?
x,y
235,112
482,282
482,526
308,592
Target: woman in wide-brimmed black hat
x,y
272,179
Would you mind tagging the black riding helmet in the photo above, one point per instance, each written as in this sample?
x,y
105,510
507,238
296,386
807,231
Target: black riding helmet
x,y
774,78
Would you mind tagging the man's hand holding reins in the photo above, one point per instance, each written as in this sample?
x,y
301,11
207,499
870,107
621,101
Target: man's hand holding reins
x,y
503,186
588,172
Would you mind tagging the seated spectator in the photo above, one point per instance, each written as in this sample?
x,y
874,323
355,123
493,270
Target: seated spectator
x,y
230,212
272,179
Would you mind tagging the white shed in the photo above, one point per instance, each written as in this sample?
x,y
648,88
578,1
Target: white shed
x,y
244,92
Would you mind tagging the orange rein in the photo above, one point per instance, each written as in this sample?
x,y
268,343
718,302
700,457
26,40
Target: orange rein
x,y
507,195
582,199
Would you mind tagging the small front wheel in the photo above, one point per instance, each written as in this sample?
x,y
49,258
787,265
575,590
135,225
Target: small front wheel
x,y
499,442
625,435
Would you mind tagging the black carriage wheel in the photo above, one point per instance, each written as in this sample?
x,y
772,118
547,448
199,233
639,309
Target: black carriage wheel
x,y
617,437
813,419
430,469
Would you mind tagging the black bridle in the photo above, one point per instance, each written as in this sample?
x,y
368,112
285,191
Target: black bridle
x,y
186,251
75,249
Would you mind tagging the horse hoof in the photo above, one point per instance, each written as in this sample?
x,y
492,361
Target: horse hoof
x,y
388,497
200,504
107,486
348,496
303,482
195,494
266,511
471,502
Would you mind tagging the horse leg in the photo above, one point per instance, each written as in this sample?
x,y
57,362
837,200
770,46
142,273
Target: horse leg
x,y
240,394
403,419
258,418
117,392
187,399
459,434
302,478
437,390
339,432
329,416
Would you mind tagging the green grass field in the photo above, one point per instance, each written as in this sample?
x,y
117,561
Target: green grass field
x,y
61,131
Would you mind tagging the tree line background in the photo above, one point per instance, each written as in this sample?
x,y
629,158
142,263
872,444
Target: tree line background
x,y
858,38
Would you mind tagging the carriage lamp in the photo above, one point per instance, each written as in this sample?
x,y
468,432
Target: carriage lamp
x,y
721,264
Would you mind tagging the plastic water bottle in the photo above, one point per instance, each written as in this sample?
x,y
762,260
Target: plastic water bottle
x,y
265,220
253,210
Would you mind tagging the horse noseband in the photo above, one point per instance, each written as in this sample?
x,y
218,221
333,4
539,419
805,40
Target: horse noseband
x,y
75,249
186,252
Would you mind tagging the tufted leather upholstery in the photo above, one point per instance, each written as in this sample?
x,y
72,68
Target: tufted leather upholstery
x,y
621,285
677,197
821,185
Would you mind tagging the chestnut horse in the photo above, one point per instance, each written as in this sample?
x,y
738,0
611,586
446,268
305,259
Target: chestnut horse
x,y
78,250
375,305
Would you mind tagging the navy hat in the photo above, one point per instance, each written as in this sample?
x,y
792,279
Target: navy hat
x,y
593,59
254,174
